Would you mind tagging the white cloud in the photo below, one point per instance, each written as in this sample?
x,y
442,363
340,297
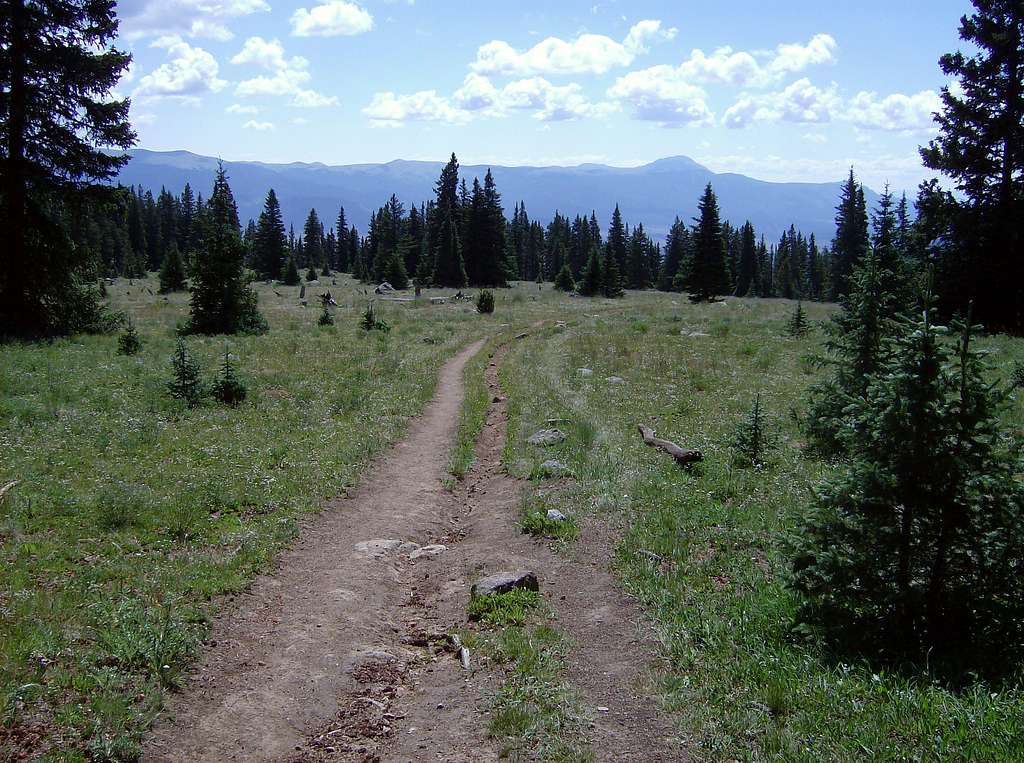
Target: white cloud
x,y
794,57
815,137
190,72
193,18
252,124
477,93
237,108
660,94
587,54
288,76
391,110
550,103
801,102
331,18
895,112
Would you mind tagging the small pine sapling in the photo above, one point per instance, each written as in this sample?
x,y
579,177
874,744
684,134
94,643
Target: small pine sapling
x,y
290,276
752,440
311,274
798,325
129,342
325,319
229,388
485,302
186,384
370,322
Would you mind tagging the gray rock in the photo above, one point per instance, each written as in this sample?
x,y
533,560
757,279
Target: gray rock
x,y
431,550
378,547
546,437
408,547
556,516
553,467
585,372
615,379
503,582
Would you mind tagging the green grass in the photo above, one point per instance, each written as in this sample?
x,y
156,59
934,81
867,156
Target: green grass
x,y
704,549
134,513
503,609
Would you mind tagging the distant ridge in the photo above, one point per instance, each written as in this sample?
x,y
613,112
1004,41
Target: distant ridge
x,y
653,194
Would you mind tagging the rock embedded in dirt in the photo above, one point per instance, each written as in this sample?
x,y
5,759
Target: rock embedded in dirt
x,y
556,516
585,372
546,437
615,380
503,582
431,550
554,468
378,547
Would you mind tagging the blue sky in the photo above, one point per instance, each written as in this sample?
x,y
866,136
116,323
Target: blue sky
x,y
776,90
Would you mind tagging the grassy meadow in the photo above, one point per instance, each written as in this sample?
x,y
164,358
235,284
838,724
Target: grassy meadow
x,y
704,549
132,512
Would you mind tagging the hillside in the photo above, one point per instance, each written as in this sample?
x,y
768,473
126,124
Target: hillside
x,y
652,194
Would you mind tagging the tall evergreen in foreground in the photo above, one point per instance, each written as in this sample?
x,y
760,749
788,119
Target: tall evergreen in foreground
x,y
57,71
709,277
222,302
916,547
271,242
981,147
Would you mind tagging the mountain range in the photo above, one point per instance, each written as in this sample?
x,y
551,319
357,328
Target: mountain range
x,y
652,194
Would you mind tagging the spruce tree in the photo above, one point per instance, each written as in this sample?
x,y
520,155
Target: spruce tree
x,y
172,271
222,302
271,243
448,267
746,270
57,75
709,277
980,146
563,281
290,276
676,245
851,242
591,280
752,439
229,387
617,239
611,276
186,382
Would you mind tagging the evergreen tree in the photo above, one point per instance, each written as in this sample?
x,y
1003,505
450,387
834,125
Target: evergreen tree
x,y
752,440
676,245
448,267
186,383
172,271
617,239
563,281
611,276
312,240
129,342
57,72
914,548
591,280
798,325
290,275
709,277
490,238
270,243
222,302
746,269
980,146
851,241
637,274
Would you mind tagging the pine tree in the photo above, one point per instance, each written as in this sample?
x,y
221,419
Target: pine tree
x,y
914,548
490,238
676,245
129,342
485,302
709,277
798,326
311,274
617,239
57,74
229,388
979,146
290,276
611,277
851,242
222,302
448,267
591,280
172,271
752,439
271,243
746,269
186,383
638,275
563,281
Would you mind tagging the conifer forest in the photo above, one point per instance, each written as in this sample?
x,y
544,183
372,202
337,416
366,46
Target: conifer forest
x,y
330,468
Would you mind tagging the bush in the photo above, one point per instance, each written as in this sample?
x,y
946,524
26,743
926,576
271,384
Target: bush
x,y
186,383
229,388
485,302
129,342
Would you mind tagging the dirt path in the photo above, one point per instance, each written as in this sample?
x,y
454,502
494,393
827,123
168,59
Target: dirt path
x,y
339,654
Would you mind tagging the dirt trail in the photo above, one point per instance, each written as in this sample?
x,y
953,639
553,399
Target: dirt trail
x,y
339,654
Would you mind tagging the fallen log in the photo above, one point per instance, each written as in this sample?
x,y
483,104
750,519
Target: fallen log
x,y
682,456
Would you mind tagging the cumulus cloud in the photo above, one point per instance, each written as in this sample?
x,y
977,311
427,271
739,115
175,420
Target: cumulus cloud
x,y
587,54
190,73
331,18
286,76
895,112
661,94
252,124
801,102
192,18
391,110
549,103
237,108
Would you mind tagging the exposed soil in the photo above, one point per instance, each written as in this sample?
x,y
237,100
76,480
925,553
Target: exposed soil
x,y
343,652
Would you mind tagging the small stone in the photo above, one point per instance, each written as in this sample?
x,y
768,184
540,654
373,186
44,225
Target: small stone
x,y
431,550
503,582
378,547
408,547
553,468
546,437
556,516
615,380
585,372
602,709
